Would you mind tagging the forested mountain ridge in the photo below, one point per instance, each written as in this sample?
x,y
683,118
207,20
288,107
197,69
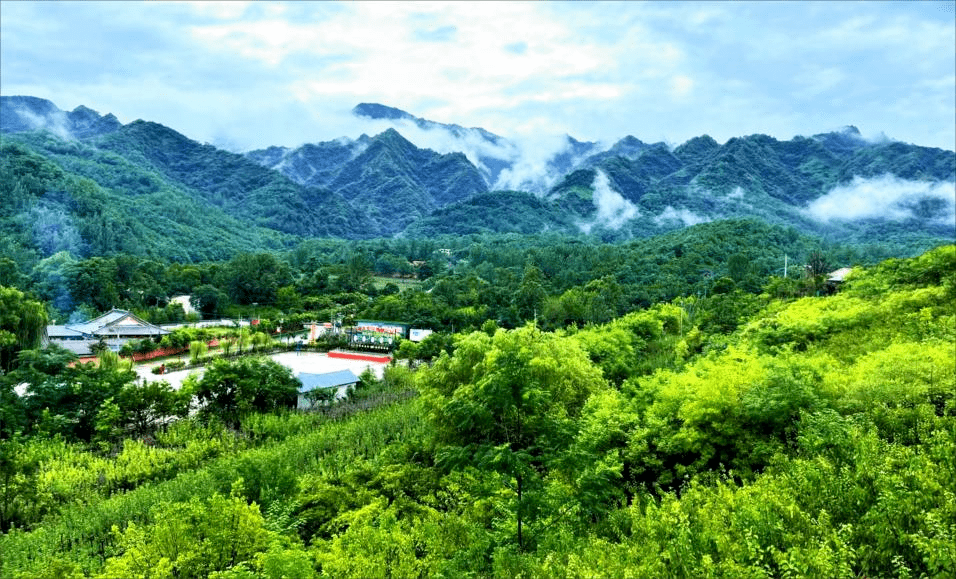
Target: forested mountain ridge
x,y
395,180
26,113
836,185
398,182
236,185
66,196
652,188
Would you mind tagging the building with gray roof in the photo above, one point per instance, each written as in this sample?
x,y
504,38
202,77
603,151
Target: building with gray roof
x,y
319,388
114,328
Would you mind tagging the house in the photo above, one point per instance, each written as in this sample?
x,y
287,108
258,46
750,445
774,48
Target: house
x,y
114,328
318,388
185,302
838,276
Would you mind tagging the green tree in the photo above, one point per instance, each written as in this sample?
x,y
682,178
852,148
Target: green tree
x,y
143,406
255,278
817,264
197,349
208,299
230,389
73,393
93,282
529,300
508,403
22,325
50,280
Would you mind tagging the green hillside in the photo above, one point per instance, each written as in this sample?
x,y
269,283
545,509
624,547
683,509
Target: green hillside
x,y
817,439
69,196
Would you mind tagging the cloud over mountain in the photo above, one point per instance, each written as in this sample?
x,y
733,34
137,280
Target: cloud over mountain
x,y
887,197
613,210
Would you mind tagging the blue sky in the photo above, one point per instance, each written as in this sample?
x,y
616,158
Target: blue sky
x,y
248,75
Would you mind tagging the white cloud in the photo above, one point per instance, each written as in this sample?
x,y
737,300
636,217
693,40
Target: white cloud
x,y
221,10
681,85
613,210
284,73
887,197
684,216
55,123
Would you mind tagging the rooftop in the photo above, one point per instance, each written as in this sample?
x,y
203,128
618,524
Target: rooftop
x,y
329,380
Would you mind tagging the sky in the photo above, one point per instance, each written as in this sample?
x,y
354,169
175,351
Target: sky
x,y
246,75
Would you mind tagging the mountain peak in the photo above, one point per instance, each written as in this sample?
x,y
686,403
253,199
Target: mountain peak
x,y
379,111
391,135
28,113
850,130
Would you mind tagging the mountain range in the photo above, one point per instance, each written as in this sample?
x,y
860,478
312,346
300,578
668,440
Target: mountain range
x,y
87,183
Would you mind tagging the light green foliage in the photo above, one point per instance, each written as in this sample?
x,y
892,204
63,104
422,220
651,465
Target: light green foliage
x,y
243,340
508,403
740,436
22,324
190,540
197,349
379,543
261,341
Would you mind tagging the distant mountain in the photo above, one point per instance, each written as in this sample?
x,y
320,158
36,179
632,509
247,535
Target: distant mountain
x,y
833,184
392,179
500,161
67,196
489,152
231,182
26,113
312,165
785,182
398,182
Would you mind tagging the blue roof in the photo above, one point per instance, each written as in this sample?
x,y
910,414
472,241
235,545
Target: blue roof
x,y
330,380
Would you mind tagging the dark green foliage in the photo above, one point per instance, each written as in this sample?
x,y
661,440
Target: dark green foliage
x,y
89,202
493,212
901,159
232,389
144,189
208,299
238,186
252,278
66,399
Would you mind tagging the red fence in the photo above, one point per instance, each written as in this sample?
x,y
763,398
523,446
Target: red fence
x,y
356,356
160,352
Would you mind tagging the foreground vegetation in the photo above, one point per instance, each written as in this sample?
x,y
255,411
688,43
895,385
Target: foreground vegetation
x,y
759,435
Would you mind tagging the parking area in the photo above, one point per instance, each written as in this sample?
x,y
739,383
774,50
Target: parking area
x,y
298,362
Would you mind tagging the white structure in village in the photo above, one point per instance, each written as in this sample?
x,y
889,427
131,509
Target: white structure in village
x,y
114,328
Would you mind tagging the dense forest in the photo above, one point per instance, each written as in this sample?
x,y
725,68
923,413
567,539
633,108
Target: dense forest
x,y
672,407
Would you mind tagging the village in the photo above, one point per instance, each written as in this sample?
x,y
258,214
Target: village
x,y
326,376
